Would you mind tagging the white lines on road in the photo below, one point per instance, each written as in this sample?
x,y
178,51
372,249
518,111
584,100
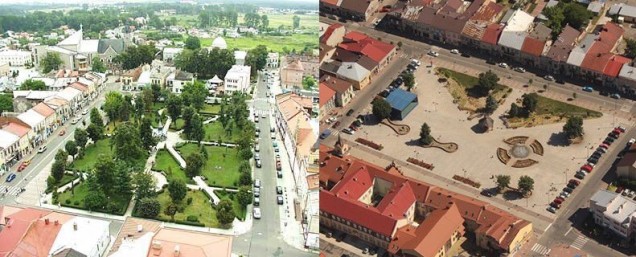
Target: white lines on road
x,y
9,190
540,249
579,242
548,227
566,233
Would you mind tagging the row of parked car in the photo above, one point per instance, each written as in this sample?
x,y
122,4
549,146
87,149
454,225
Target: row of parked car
x,y
396,83
587,168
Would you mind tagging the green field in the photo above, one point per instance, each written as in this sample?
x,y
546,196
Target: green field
x,y
183,20
76,199
239,211
211,109
221,167
275,43
200,207
214,131
549,106
91,154
275,20
166,163
67,178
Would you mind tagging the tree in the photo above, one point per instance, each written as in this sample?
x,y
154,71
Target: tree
x,y
94,132
491,105
257,59
245,167
148,97
156,91
244,196
145,133
135,56
225,212
127,143
309,82
6,103
96,117
171,210
98,65
503,181
174,105
144,185
61,156
122,179
31,84
630,49
149,207
409,81
573,128
296,23
195,93
487,81
197,132
81,137
112,105
139,106
105,169
71,148
194,164
192,43
178,190
529,102
525,184
95,200
245,179
57,170
515,111
50,62
245,153
425,134
188,113
381,108
264,22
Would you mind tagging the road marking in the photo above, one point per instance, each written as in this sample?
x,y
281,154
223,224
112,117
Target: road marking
x,y
566,233
543,250
548,227
579,242
9,190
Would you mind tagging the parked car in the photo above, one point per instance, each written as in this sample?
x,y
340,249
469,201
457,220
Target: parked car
x,y
572,185
84,112
454,51
574,181
465,55
433,53
606,146
519,69
350,112
588,89
257,201
62,132
502,65
325,134
621,128
593,160
558,200
279,190
258,163
278,166
615,96
279,174
11,177
567,189
257,192
348,131
257,213
42,149
551,209
489,192
22,166
631,141
548,78
555,205
279,199
579,175
587,168
565,194
601,149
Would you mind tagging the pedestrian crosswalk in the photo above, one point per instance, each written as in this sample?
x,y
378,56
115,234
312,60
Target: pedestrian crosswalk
x,y
261,112
540,249
579,242
9,190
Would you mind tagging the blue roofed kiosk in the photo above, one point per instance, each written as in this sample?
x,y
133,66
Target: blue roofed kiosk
x,y
402,102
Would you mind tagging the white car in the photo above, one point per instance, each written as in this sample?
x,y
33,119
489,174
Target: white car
x,y
84,112
632,141
454,51
415,61
257,213
433,53
503,65
74,121
549,78
42,149
519,69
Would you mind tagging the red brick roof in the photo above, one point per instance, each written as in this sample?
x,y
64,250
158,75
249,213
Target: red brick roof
x,y
533,46
615,64
354,185
326,94
329,31
492,33
331,2
336,84
599,55
357,212
362,44
397,201
16,228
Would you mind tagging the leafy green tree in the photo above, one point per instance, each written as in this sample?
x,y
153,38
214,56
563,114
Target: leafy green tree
x,y
487,81
112,105
149,207
122,179
192,43
309,82
178,190
148,97
139,107
31,84
409,81
61,156
71,148
526,184
503,181
173,106
98,65
245,154
188,114
194,164
81,137
6,103
630,49
491,105
105,169
57,170
96,117
245,179
225,212
515,110
264,22
127,143
171,210
195,93
205,63
425,134
95,200
50,62
244,196
145,132
197,132
94,132
296,22
144,185
156,91
573,128
135,56
381,108
257,59
530,102
245,167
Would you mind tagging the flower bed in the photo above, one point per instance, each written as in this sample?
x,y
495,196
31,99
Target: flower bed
x,y
420,163
467,181
370,144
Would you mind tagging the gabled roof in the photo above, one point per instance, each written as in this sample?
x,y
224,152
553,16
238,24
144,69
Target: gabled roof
x,y
191,243
328,32
31,117
353,71
397,201
357,212
16,229
73,39
533,46
43,109
562,46
362,44
432,234
326,94
355,5
339,85
516,30
116,44
69,93
400,99
492,33
183,75
79,86
599,57
7,139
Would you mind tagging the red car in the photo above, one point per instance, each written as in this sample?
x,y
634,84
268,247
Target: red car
x,y
606,146
558,201
22,166
62,132
587,168
574,181
278,166
617,131
335,125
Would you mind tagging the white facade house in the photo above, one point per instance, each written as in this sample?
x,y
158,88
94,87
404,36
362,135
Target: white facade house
x,y
614,211
73,96
84,235
239,57
36,121
237,79
15,57
134,247
9,144
516,30
272,60
178,79
170,53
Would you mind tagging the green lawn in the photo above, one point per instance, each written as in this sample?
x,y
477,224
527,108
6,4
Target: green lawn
x,y
166,163
183,19
465,93
199,207
179,125
77,199
154,118
214,130
307,21
65,180
553,107
221,167
275,43
239,211
91,154
211,109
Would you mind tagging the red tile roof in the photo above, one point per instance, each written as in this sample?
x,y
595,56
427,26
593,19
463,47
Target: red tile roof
x,y
16,228
362,44
331,2
329,31
533,46
615,64
43,109
354,184
488,12
326,94
38,240
336,84
79,86
397,201
492,33
599,55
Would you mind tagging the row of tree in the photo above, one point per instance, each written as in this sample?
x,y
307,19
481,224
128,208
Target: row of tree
x,y
205,64
525,184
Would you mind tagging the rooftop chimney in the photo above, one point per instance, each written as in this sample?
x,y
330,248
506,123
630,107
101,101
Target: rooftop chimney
x,y
139,228
75,226
46,221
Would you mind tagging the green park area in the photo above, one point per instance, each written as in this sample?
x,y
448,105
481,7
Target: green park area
x,y
199,208
274,43
239,210
211,109
221,165
91,154
74,198
465,91
166,163
214,131
549,111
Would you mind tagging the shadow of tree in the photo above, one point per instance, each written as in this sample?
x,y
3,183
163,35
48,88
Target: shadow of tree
x,y
558,139
512,195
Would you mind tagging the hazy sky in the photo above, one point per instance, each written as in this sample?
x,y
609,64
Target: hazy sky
x,y
128,1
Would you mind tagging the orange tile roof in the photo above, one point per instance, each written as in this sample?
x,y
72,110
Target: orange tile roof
x,y
191,243
397,201
329,31
17,129
599,55
79,86
38,240
353,186
43,109
326,94
16,228
533,46
362,44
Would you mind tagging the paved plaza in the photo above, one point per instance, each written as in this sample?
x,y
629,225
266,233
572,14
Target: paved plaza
x,y
477,154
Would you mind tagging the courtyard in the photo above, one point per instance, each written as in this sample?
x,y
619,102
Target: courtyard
x,y
476,157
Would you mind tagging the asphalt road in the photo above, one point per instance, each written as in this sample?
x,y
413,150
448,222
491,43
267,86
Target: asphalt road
x,y
53,143
265,237
565,227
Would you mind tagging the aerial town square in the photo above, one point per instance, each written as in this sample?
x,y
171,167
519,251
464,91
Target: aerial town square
x,y
477,128
159,128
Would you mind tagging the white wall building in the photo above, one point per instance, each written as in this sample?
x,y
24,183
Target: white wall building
x,y
613,211
9,145
272,60
239,57
178,79
237,79
87,236
170,53
37,123
15,57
